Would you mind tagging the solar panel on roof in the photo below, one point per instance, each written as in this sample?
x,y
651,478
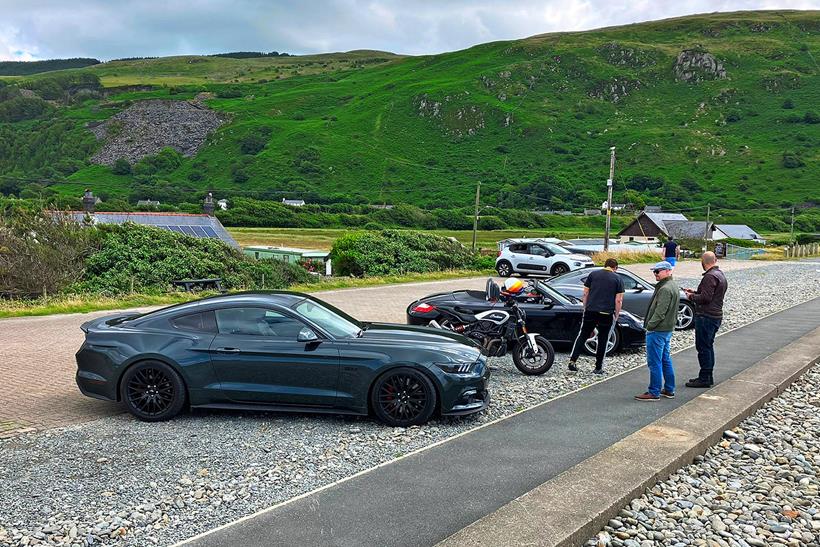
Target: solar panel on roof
x,y
175,229
199,231
187,230
210,232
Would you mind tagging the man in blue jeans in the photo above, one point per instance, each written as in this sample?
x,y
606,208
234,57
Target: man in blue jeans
x,y
659,324
708,301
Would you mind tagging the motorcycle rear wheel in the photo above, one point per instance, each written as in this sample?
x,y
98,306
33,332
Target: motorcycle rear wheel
x,y
533,365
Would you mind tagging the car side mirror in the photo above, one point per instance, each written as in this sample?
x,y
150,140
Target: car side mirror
x,y
548,304
639,288
306,335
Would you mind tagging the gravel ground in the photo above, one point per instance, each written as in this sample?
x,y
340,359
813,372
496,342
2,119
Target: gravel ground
x,y
120,481
758,487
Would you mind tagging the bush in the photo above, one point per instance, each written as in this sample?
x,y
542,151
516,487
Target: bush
x,y
252,144
811,117
229,93
121,167
23,108
792,160
396,252
788,104
152,258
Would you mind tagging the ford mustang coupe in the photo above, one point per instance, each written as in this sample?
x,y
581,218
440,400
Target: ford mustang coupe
x,y
553,315
280,351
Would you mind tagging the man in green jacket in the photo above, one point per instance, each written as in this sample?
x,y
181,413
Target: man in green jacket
x,y
659,324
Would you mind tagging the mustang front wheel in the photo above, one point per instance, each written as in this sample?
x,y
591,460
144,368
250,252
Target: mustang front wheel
x,y
152,391
403,397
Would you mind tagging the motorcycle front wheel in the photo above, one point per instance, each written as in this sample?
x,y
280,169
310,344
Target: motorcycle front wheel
x,y
534,364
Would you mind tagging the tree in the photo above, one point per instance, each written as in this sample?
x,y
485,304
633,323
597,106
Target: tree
x,y
121,167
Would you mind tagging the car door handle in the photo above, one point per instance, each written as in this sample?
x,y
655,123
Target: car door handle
x,y
228,350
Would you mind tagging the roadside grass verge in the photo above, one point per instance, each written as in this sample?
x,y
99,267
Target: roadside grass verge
x,y
84,303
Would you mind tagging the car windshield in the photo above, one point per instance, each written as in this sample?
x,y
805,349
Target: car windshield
x,y
551,293
330,319
556,249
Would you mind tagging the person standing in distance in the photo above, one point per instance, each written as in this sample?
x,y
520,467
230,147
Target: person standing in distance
x,y
671,251
708,300
603,298
660,323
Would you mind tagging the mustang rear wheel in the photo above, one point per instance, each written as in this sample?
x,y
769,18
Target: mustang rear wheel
x,y
531,363
403,397
152,391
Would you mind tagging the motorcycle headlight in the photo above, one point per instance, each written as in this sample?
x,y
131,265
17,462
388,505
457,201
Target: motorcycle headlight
x,y
456,368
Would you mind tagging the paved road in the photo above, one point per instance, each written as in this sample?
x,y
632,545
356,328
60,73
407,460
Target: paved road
x,y
37,353
428,496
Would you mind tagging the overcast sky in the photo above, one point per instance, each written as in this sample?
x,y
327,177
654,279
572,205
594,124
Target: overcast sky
x,y
108,29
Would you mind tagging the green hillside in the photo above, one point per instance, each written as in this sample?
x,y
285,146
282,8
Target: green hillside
x,y
719,109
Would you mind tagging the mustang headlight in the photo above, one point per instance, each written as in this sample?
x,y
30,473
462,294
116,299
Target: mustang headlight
x,y
456,368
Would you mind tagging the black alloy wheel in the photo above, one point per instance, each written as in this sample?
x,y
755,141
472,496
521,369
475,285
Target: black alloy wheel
x,y
152,391
504,268
403,397
533,363
560,269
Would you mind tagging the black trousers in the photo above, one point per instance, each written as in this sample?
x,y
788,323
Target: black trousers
x,y
591,320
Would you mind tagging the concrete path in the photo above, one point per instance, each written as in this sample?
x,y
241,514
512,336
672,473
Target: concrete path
x,y
425,497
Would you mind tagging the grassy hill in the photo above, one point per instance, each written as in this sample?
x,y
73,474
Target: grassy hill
x,y
719,109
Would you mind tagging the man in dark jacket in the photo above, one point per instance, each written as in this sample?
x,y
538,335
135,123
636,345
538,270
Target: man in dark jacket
x,y
708,300
603,298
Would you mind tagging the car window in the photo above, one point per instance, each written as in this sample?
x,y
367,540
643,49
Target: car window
x,y
258,322
538,250
332,322
518,248
202,322
629,283
557,249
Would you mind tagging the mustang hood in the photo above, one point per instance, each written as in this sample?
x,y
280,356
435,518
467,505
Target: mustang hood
x,y
429,338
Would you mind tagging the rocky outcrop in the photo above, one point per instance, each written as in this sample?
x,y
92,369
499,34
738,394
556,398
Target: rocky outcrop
x,y
613,90
147,127
455,118
618,55
693,66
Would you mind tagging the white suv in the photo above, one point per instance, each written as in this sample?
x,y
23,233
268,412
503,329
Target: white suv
x,y
536,256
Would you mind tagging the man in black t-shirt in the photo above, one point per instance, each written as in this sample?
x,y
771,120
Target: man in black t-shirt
x,y
603,297
671,251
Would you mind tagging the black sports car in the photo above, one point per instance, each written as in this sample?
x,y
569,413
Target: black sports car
x,y
278,351
554,316
637,294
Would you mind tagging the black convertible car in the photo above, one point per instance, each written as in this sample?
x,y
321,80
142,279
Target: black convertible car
x,y
278,351
638,293
554,316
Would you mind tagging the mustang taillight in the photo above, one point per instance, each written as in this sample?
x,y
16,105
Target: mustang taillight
x,y
423,308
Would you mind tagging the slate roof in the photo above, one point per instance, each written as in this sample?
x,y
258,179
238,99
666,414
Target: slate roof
x,y
738,231
660,219
688,229
199,225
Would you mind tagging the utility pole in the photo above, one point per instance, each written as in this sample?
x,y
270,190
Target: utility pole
x,y
475,218
609,196
706,230
791,236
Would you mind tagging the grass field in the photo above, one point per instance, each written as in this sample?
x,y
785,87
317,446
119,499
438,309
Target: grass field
x,y
308,238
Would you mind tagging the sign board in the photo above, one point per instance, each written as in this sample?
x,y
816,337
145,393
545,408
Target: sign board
x,y
720,250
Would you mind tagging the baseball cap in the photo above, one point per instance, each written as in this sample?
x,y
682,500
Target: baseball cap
x,y
662,265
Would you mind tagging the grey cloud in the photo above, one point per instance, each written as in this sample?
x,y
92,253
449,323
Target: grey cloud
x,y
110,29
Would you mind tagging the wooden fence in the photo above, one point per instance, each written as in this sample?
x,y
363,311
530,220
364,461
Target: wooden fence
x,y
798,251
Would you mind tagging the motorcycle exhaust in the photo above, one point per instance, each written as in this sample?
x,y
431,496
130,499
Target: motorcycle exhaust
x,y
433,323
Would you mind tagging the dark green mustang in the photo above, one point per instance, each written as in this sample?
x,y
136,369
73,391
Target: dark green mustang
x,y
280,351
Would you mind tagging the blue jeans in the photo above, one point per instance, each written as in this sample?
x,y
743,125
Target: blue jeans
x,y
659,361
705,330
672,260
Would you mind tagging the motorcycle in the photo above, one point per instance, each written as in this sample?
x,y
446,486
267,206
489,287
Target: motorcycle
x,y
500,331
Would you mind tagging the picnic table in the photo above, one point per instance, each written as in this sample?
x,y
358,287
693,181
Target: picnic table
x,y
202,284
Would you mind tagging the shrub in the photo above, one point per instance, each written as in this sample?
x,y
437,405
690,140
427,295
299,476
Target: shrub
x,y
811,117
229,93
121,167
792,160
153,257
788,104
396,252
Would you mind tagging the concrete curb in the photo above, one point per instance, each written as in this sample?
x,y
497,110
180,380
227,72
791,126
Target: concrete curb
x,y
575,505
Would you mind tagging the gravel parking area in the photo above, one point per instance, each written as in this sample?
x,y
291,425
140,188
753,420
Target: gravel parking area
x,y
757,487
120,481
